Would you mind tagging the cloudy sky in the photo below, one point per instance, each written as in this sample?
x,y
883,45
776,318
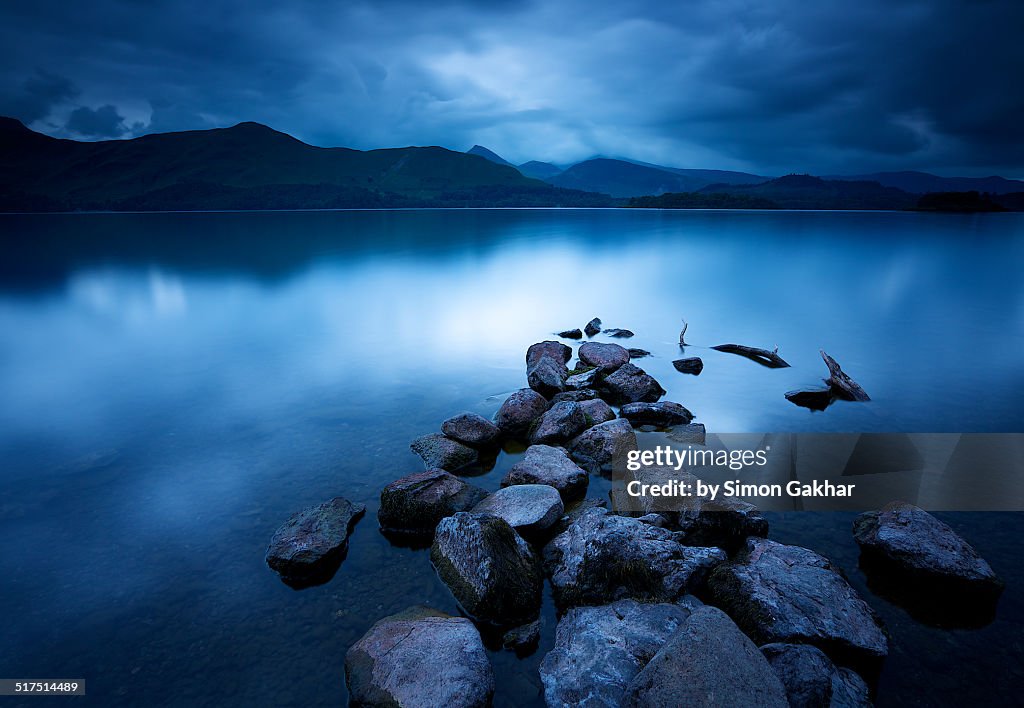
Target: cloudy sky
x,y
773,87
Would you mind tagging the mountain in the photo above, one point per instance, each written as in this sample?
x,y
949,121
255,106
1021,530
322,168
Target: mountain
x,y
622,179
488,155
708,176
807,192
922,182
539,170
249,166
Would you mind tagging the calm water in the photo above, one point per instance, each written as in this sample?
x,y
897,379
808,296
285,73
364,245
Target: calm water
x,y
175,385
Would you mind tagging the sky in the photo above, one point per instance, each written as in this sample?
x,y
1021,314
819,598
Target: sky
x,y
830,86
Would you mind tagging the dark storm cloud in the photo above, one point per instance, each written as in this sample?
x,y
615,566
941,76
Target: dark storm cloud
x,y
774,87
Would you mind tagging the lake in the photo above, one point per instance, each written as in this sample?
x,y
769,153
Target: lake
x,y
176,385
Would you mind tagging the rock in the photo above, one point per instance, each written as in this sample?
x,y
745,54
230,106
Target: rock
x,y
440,451
549,465
531,509
914,543
593,327
606,357
689,434
420,658
522,639
573,511
598,650
597,412
603,557
663,414
621,333
637,353
471,429
311,544
571,333
563,421
811,679
653,520
584,394
545,367
629,384
583,380
557,351
691,365
491,570
416,503
602,447
779,593
519,411
707,662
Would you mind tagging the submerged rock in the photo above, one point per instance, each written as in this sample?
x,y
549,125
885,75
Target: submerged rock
x,y
606,357
416,503
420,658
779,593
689,434
593,327
561,422
629,384
440,451
519,411
544,464
491,570
637,353
811,679
598,650
663,414
597,412
531,509
691,365
571,333
604,446
471,429
603,557
707,662
311,544
522,639
619,333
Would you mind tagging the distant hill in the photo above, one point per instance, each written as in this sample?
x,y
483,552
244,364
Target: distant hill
x,y
539,170
248,166
692,200
488,155
922,182
623,179
807,192
707,176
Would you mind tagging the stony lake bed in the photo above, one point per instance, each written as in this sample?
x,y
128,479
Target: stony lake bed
x,y
214,393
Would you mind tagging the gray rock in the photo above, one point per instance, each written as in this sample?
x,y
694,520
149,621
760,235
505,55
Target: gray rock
x,y
606,357
689,434
692,365
420,658
491,570
440,451
635,353
629,384
577,396
571,333
707,662
603,557
574,510
663,414
598,650
544,464
416,503
531,509
593,327
849,690
563,421
597,412
604,446
522,639
582,380
547,376
471,429
811,679
519,411
619,333
779,593
557,351
307,549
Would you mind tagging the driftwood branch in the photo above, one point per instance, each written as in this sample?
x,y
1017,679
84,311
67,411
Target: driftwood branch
x,y
682,335
840,383
762,356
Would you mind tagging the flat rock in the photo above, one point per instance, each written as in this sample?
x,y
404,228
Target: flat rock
x,y
311,544
690,365
598,650
593,327
531,509
416,503
544,464
708,662
604,446
562,422
597,412
571,333
663,414
603,557
519,411
619,333
471,429
606,357
493,573
629,384
442,452
811,679
582,380
635,353
780,593
420,658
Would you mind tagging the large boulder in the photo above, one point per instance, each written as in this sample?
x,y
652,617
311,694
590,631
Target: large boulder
x,y
563,421
440,451
593,327
663,414
555,350
597,412
811,679
416,503
598,650
471,429
420,658
493,573
606,357
708,663
311,544
544,464
780,593
531,509
519,411
545,367
604,446
629,384
603,557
